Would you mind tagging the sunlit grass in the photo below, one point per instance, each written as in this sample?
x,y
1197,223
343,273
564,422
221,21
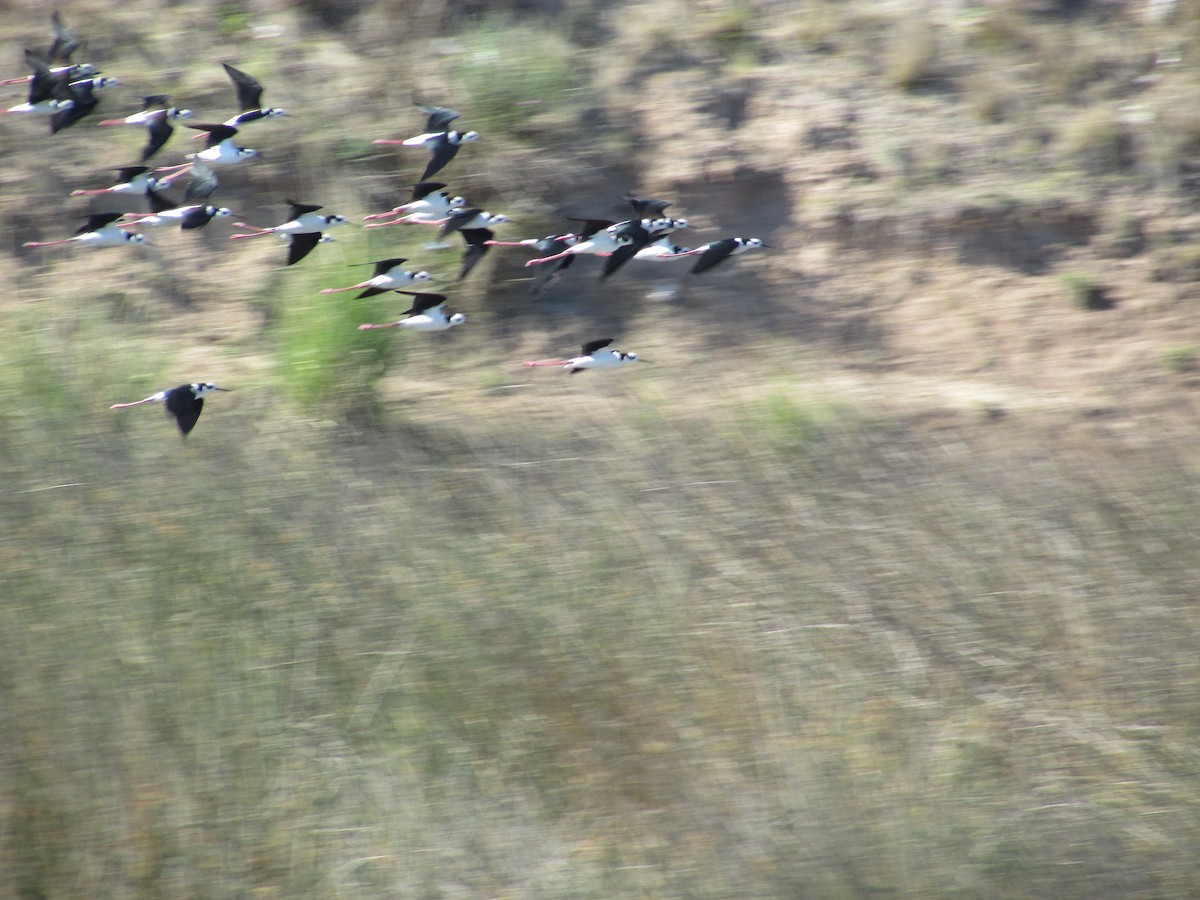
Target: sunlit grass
x,y
512,72
325,360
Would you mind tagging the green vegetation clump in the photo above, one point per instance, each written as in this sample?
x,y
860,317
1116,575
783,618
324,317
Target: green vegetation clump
x,y
513,71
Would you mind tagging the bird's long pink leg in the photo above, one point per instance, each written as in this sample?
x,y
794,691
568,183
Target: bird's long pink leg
x,y
112,122
134,403
46,243
384,215
368,327
355,287
178,170
545,362
259,233
546,259
89,193
505,244
387,142
22,80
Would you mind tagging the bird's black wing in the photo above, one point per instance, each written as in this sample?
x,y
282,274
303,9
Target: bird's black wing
x,y
216,133
477,248
84,102
618,258
301,245
442,151
158,131
456,219
646,207
544,280
384,265
154,101
42,84
715,254
184,406
439,119
371,292
65,41
98,221
592,346
422,302
203,183
423,189
632,238
126,174
157,202
299,209
249,91
196,217
591,226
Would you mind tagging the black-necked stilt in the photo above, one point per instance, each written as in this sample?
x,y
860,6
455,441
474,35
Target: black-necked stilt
x,y
714,253
593,238
550,245
83,102
427,313
388,276
441,141
185,402
428,204
154,106
100,230
219,150
593,356
630,238
663,250
130,180
157,116
468,220
636,236
48,92
61,47
304,228
193,213
249,97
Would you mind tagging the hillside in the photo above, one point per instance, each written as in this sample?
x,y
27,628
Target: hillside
x,y
878,578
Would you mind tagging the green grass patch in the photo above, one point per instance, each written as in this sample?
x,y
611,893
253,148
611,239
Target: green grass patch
x,y
512,72
324,360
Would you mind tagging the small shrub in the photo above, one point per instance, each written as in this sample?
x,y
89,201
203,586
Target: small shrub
x,y
1178,264
1182,360
913,59
1086,292
1098,143
989,99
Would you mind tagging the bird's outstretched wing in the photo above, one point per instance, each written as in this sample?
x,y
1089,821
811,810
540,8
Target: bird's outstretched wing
x,y
301,245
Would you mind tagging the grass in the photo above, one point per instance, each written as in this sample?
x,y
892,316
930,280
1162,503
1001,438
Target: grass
x,y
323,695
513,71
325,360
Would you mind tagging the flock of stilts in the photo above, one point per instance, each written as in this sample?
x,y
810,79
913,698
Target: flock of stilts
x,y
66,92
